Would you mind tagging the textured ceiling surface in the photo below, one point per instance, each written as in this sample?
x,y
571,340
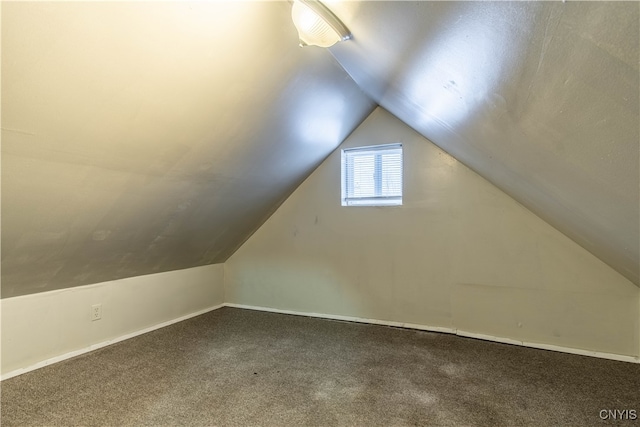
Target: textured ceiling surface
x,y
143,137
540,98
140,137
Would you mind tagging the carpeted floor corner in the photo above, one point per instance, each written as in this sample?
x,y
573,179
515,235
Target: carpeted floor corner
x,y
234,367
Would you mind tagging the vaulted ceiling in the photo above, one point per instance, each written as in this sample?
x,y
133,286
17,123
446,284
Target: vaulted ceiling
x,y
143,137
540,98
140,137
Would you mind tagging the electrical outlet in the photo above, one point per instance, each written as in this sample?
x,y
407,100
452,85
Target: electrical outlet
x,y
96,312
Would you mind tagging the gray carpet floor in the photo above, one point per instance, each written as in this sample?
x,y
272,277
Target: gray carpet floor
x,y
235,367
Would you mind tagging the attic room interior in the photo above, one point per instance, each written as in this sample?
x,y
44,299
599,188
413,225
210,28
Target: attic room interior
x,y
356,213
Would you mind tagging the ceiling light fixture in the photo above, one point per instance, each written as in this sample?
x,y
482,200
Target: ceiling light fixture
x,y
317,25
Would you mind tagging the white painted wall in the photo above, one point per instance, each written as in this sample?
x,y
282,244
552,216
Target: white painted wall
x,y
42,328
459,254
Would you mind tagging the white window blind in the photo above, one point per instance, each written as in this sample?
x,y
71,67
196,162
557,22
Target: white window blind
x,y
372,176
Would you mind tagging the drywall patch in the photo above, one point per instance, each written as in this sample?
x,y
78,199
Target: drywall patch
x,y
101,234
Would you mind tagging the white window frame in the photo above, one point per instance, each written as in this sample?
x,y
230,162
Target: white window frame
x,y
378,199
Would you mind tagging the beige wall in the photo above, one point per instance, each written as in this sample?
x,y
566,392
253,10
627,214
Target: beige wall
x,y
42,328
458,254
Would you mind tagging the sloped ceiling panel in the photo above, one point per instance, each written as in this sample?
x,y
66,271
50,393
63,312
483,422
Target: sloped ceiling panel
x,y
143,137
540,98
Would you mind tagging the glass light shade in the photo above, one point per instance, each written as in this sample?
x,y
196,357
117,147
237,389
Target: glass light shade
x,y
316,25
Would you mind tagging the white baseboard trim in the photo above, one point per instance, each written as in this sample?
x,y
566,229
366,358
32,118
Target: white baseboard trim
x,y
345,318
610,356
552,347
570,350
92,347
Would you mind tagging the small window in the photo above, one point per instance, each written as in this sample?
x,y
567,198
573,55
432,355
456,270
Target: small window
x,y
372,176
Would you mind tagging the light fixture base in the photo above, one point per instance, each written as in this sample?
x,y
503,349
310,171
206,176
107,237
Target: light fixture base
x,y
317,25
